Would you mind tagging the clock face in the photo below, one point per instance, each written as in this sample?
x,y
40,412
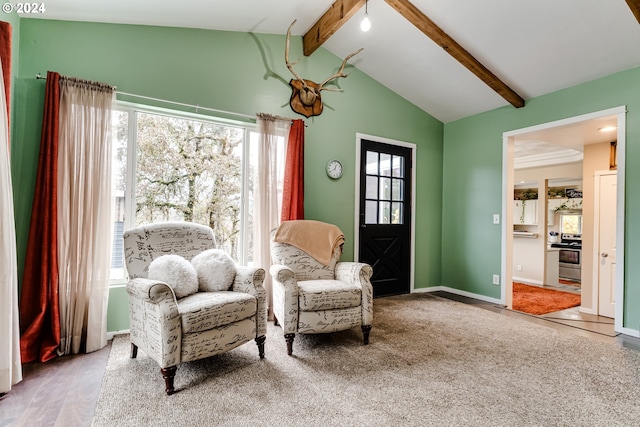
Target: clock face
x,y
334,169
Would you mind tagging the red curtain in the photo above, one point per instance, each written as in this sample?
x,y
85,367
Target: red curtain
x,y
293,189
5,56
39,306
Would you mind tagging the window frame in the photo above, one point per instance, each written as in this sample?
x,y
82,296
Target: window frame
x,y
132,110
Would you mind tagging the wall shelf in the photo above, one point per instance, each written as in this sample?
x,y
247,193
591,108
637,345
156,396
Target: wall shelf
x,y
525,234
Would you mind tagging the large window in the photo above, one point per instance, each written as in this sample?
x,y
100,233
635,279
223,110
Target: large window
x,y
173,167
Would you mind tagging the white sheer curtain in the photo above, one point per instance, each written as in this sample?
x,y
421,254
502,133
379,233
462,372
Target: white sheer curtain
x,y
84,213
274,132
10,367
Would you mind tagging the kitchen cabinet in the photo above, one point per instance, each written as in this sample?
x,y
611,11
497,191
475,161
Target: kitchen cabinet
x,y
553,266
564,204
525,212
554,205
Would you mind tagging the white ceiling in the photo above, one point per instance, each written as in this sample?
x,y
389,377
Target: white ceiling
x,y
562,144
534,46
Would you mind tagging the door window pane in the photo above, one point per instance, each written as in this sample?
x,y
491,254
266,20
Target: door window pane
x,y
385,213
385,164
372,163
398,167
371,212
396,213
385,188
372,187
396,190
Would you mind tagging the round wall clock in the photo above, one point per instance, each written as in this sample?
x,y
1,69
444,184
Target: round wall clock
x,y
334,169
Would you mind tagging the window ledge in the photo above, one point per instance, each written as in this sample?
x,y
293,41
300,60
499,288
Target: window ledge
x,y
118,283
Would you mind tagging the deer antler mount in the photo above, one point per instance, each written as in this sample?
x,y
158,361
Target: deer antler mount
x,y
305,95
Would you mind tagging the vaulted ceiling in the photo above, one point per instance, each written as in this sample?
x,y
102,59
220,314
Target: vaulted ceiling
x,y
451,58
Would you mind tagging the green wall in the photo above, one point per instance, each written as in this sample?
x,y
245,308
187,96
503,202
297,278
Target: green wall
x,y
472,182
238,72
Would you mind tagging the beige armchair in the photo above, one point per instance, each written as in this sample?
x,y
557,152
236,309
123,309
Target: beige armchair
x,y
315,293
173,330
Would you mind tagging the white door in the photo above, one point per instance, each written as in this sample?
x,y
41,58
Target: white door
x,y
605,234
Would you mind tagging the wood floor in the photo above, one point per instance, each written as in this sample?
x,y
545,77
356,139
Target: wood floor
x,y
64,392
570,320
61,392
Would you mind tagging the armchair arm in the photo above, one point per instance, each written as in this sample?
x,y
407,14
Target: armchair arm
x,y
249,280
149,290
359,274
285,297
154,321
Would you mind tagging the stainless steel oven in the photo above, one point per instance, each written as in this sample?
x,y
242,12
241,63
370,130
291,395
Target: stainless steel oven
x,y
570,257
570,264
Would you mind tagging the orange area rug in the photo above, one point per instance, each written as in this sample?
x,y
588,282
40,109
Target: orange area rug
x,y
569,283
536,300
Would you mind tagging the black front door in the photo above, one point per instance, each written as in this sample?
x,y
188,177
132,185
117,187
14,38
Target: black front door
x,y
385,216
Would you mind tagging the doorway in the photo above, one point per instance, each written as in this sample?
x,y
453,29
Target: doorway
x,y
385,215
561,128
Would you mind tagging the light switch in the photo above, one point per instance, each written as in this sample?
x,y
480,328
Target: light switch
x,y
496,218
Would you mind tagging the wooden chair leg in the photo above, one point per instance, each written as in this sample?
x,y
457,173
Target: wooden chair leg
x,y
134,351
260,342
365,331
289,339
169,374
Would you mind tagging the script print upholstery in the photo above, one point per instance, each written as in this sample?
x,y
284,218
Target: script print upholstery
x,y
148,242
309,297
171,330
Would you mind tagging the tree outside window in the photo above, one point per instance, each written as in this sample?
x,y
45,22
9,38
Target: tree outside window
x,y
185,170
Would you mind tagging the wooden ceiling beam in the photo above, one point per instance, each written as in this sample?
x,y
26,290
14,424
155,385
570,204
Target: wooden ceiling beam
x,y
634,5
428,27
339,13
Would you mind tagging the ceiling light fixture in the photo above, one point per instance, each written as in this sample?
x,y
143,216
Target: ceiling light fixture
x,y
607,129
365,25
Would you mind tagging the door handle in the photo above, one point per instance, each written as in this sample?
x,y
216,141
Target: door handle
x,y
604,254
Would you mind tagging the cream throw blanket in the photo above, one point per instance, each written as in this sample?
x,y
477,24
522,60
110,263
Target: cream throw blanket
x,y
316,238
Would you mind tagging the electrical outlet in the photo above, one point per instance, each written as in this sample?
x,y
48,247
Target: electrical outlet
x,y
496,279
496,218
519,267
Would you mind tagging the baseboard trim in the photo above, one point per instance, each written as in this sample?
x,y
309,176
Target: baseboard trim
x,y
630,332
112,334
528,281
459,292
587,310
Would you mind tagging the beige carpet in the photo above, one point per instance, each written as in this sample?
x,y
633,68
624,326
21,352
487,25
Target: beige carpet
x,y
431,362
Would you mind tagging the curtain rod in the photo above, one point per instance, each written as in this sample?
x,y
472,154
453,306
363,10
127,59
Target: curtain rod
x,y
197,107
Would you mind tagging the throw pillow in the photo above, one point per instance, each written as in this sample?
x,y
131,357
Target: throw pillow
x,y
176,272
216,270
